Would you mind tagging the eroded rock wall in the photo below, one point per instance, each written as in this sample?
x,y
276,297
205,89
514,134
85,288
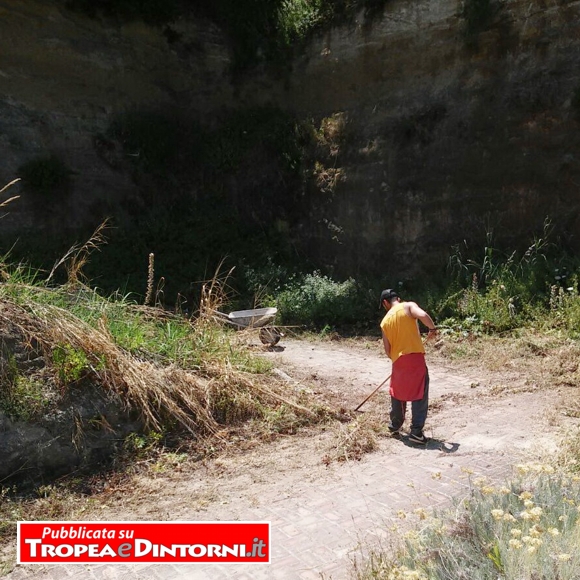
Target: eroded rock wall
x,y
64,77
447,137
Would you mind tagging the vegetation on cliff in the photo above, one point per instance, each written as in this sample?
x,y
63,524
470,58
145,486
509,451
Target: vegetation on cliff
x,y
259,30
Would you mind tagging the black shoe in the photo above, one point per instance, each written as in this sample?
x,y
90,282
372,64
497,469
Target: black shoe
x,y
418,437
395,433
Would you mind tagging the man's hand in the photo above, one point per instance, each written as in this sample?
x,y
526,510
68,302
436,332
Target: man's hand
x,y
432,335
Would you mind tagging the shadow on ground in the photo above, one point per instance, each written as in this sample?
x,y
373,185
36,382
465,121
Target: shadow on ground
x,y
432,445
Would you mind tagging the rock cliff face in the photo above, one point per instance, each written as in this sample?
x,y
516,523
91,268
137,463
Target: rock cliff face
x,y
64,76
446,137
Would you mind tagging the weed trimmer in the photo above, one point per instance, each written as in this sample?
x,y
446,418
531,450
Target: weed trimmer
x,y
373,393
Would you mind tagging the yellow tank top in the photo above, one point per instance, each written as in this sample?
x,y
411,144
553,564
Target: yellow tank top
x,y
402,332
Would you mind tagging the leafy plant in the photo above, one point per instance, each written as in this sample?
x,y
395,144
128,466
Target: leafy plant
x,y
139,444
21,397
318,300
71,363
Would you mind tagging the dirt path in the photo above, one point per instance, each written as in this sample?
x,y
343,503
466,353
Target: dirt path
x,y
321,514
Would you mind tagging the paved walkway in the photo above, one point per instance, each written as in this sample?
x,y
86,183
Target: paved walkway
x,y
317,531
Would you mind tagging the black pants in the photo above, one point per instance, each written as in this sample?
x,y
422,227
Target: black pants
x,y
418,411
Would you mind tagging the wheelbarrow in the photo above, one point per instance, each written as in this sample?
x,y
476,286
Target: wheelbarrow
x,y
260,318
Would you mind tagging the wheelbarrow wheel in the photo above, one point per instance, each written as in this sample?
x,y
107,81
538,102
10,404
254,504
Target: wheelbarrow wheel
x,y
270,336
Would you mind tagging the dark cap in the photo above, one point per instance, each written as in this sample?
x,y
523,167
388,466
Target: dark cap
x,y
388,295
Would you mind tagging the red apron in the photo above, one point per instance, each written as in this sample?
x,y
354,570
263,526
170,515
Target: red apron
x,y
408,378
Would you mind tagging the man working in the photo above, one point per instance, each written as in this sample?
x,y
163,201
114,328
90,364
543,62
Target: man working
x,y
410,378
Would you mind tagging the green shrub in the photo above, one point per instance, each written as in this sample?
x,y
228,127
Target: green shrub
x,y
71,364
496,291
298,18
317,300
46,175
564,311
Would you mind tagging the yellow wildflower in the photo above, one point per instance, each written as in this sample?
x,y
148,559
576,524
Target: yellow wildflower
x,y
532,543
401,515
525,495
436,475
531,549
535,531
515,532
421,513
564,557
497,514
516,544
554,531
467,470
504,490
528,503
508,518
487,490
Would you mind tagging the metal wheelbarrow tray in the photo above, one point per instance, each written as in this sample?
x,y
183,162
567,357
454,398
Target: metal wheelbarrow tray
x,y
255,318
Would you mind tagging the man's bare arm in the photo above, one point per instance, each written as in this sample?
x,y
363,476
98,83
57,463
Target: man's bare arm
x,y
415,311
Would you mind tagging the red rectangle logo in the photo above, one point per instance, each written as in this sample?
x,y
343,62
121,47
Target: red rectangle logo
x,y
145,542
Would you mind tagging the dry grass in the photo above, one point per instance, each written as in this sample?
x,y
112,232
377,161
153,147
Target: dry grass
x,y
159,393
546,359
218,400
6,187
352,440
199,399
76,258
